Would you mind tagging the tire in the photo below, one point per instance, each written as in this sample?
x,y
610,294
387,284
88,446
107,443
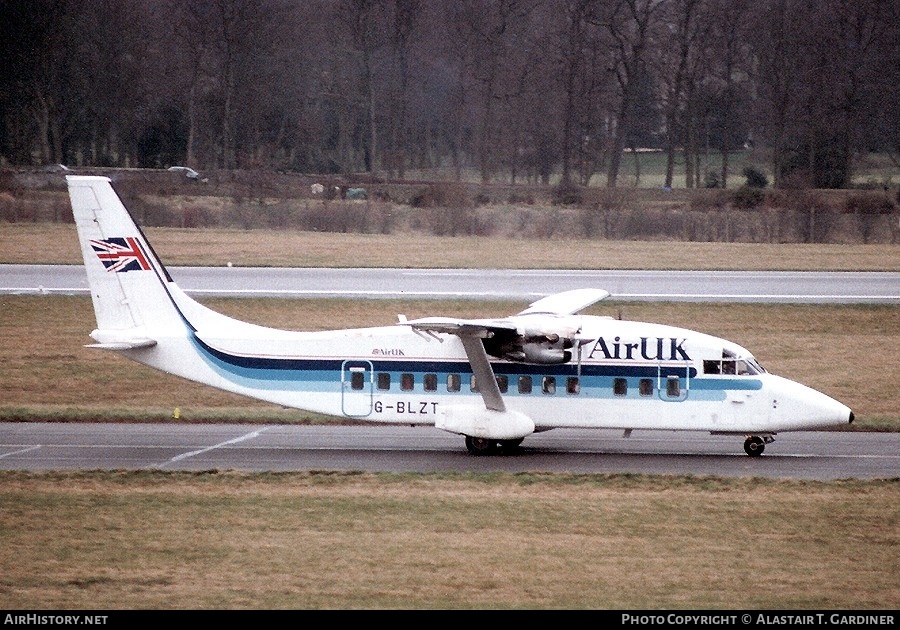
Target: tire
x,y
480,446
754,446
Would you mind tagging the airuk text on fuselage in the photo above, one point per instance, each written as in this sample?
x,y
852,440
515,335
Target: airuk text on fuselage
x,y
388,352
647,348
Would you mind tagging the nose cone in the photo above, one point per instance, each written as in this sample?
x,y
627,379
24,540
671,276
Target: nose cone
x,y
798,407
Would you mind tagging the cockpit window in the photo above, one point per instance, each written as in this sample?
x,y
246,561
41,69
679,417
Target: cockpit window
x,y
732,365
754,366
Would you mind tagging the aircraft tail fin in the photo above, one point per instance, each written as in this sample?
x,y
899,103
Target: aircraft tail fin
x,y
128,283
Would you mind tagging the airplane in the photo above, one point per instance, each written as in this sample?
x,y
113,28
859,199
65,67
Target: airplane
x,y
494,381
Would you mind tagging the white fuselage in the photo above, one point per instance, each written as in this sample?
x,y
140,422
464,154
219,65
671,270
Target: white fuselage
x,y
625,375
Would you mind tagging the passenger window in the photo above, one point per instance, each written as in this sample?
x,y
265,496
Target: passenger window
x,y
548,385
430,382
524,384
357,380
384,381
572,385
673,387
406,382
620,386
646,387
453,382
503,383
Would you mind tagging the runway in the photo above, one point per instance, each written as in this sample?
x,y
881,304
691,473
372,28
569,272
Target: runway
x,y
820,456
516,284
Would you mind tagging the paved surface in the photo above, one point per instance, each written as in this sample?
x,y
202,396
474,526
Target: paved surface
x,y
810,456
707,286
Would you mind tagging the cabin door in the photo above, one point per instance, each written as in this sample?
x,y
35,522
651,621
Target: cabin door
x,y
357,388
673,382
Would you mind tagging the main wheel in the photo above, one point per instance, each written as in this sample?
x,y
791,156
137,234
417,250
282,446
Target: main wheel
x,y
754,446
480,446
509,446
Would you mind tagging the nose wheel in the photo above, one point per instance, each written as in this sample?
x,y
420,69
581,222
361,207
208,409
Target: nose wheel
x,y
754,445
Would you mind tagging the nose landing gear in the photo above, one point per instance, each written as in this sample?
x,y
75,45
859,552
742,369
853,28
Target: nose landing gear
x,y
754,445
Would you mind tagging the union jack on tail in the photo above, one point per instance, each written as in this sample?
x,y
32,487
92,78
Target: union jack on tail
x,y
121,254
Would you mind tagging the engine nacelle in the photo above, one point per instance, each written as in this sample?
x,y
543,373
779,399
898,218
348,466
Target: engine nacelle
x,y
530,346
537,353
542,350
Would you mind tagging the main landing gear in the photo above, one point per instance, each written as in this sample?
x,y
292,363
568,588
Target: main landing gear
x,y
754,445
486,446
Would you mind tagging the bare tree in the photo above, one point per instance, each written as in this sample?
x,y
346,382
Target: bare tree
x,y
573,58
527,88
678,63
628,24
731,50
226,48
853,30
819,90
406,14
777,75
36,52
191,70
491,34
364,21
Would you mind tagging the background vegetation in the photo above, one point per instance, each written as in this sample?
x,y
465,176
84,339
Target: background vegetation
x,y
536,91
253,200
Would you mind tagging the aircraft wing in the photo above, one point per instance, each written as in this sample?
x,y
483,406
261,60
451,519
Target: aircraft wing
x,y
481,328
471,333
541,334
567,302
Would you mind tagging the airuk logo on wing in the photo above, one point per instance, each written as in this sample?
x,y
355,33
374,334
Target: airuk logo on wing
x,y
121,254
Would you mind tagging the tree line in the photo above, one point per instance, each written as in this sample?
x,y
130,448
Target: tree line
x,y
516,90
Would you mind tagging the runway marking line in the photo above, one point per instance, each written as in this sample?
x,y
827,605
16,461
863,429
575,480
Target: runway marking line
x,y
247,436
19,452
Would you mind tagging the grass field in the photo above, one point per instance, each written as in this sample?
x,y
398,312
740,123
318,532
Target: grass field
x,y
25,243
149,540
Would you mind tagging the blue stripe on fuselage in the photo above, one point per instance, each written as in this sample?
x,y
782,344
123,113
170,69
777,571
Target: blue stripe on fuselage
x,y
286,373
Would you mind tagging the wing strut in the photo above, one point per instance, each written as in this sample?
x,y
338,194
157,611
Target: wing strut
x,y
484,373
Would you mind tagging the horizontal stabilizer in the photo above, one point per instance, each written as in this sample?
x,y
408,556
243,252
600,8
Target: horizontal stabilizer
x,y
124,345
120,340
